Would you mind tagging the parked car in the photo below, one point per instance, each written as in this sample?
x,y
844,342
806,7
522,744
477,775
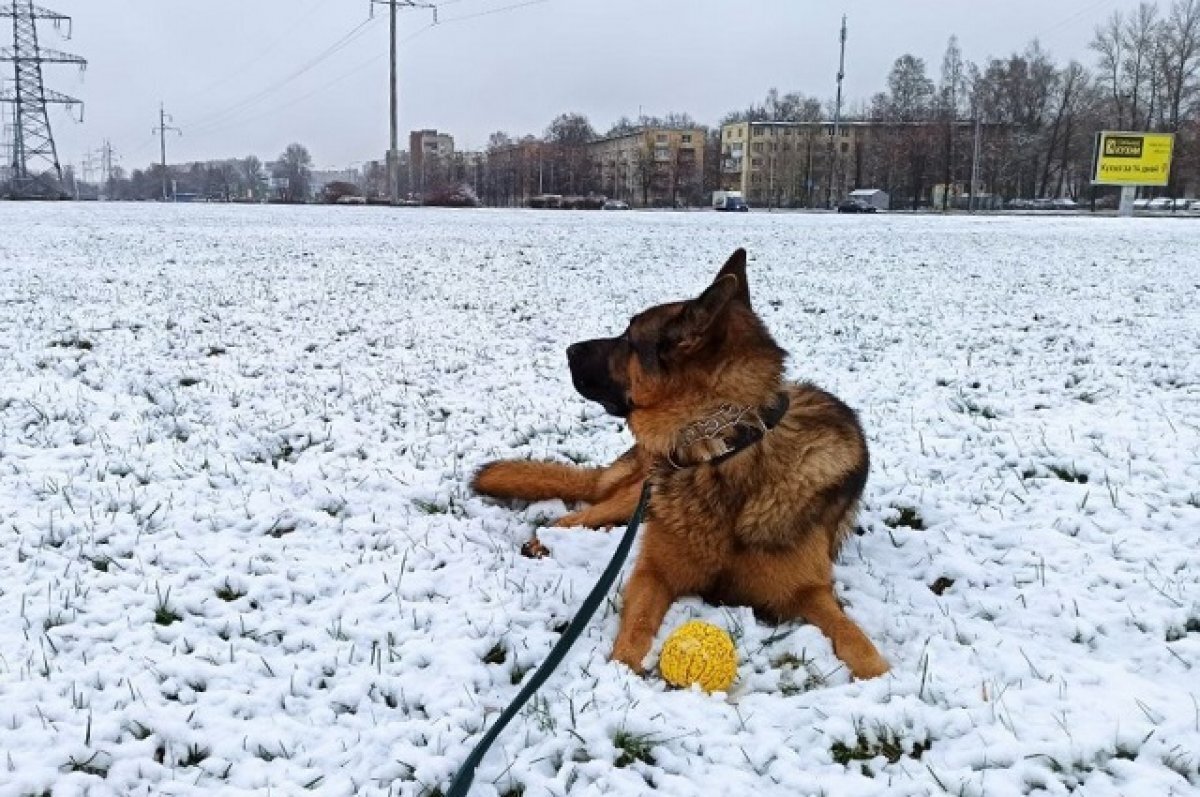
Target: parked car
x,y
855,206
616,204
1141,204
1161,203
1065,203
729,200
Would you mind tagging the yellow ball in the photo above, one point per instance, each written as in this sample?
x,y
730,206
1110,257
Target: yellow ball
x,y
699,653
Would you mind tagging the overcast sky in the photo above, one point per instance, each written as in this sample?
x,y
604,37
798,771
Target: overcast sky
x,y
244,76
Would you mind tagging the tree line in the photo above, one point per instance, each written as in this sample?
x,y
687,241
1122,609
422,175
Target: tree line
x,y
286,179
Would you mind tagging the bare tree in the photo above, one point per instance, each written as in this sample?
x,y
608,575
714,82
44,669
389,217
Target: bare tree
x,y
570,134
295,164
950,98
1141,39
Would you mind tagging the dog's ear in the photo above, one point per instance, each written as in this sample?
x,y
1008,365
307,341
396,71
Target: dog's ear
x,y
735,266
688,331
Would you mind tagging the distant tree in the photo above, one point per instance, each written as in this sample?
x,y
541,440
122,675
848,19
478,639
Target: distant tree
x,y
910,90
499,140
571,169
295,164
1179,65
622,127
1125,47
375,179
908,103
711,180
950,97
646,168
678,121
252,176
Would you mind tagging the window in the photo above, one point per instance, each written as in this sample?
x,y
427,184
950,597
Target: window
x,y
756,162
845,147
787,131
660,138
686,138
758,131
758,147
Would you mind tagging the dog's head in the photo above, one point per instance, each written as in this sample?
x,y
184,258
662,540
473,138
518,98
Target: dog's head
x,y
680,354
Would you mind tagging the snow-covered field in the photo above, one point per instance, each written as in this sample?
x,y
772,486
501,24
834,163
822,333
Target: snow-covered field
x,y
238,554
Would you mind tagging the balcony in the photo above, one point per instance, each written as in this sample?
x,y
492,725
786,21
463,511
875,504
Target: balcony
x,y
731,166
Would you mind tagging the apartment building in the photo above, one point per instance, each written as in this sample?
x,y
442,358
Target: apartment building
x,y
651,166
789,164
428,151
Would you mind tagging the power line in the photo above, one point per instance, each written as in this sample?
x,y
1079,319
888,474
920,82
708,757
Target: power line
x,y
343,42
489,12
234,115
277,109
262,52
1073,18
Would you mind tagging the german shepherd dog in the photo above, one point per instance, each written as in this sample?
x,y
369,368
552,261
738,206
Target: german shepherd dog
x,y
755,481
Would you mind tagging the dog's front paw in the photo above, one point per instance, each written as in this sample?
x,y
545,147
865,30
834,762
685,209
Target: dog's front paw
x,y
869,665
629,659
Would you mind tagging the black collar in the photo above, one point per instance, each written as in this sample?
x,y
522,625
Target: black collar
x,y
728,431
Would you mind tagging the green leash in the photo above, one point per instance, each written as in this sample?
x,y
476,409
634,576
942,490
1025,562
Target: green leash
x,y
466,773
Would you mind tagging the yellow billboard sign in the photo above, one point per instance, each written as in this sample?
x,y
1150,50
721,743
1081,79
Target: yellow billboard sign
x,y
1132,158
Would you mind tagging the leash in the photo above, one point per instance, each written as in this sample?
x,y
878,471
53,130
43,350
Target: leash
x,y
466,773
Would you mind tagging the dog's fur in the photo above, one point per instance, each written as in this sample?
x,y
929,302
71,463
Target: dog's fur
x,y
758,528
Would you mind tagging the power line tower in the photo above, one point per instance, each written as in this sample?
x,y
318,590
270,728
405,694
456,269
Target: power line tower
x,y
36,172
107,156
393,155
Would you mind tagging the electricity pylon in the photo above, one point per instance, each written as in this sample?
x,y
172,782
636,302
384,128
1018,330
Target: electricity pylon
x,y
36,172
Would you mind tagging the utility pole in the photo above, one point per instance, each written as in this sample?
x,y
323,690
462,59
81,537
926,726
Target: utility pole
x,y
36,171
161,130
393,154
834,143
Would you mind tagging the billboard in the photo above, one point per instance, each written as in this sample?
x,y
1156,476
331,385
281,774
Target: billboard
x,y
1132,158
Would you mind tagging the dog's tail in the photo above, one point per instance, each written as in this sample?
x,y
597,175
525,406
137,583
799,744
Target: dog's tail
x,y
538,481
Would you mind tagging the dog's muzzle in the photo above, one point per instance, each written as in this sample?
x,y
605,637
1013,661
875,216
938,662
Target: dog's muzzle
x,y
589,363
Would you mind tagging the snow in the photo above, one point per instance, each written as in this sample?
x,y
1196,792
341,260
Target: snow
x,y
238,554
